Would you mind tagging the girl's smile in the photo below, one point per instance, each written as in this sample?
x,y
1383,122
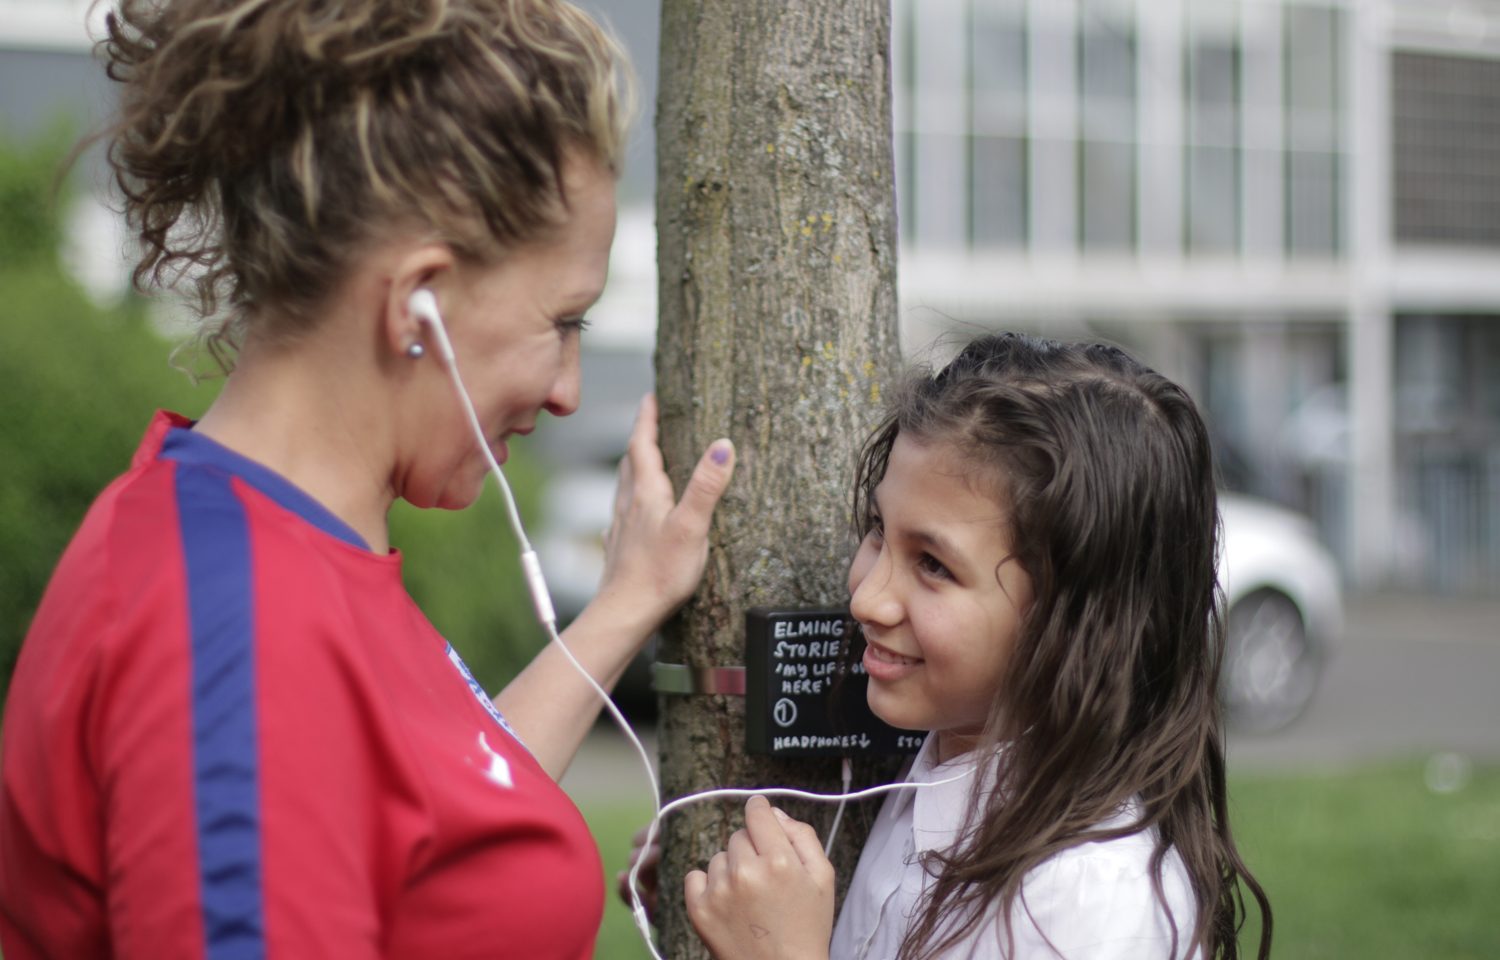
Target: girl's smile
x,y
937,593
884,665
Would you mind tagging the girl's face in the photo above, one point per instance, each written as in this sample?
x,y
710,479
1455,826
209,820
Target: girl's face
x,y
938,594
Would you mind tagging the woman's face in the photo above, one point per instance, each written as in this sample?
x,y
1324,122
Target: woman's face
x,y
938,594
515,329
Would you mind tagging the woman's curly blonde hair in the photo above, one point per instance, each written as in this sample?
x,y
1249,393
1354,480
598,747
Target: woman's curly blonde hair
x,y
264,144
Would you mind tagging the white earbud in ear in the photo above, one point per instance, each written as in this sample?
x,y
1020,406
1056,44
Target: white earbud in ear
x,y
424,306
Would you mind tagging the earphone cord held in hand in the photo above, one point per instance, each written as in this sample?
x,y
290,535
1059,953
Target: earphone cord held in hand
x,y
423,304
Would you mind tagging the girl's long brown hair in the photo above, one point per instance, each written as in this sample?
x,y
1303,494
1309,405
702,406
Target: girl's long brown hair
x,y
1111,696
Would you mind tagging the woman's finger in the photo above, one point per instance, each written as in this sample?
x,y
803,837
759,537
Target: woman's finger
x,y
705,488
624,488
644,449
647,857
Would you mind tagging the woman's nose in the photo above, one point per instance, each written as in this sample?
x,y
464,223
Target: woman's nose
x,y
564,396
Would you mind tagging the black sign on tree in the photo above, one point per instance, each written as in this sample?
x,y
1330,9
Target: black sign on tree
x,y
805,688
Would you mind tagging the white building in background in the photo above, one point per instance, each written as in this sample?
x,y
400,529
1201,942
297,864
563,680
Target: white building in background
x,y
48,24
48,76
1292,206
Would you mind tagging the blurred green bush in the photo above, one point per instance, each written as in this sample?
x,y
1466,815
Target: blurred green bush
x,y
78,384
30,230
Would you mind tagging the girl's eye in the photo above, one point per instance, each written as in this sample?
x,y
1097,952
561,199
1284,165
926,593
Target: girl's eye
x,y
570,325
931,566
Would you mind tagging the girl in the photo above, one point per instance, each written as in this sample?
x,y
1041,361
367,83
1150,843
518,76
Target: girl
x,y
1035,585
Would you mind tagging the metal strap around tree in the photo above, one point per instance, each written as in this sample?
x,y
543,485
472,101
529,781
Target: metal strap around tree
x,y
680,678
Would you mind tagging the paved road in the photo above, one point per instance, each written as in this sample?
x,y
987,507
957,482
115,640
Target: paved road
x,y
1412,676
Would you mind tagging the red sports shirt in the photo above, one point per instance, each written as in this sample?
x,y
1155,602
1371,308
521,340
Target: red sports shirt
x,y
231,733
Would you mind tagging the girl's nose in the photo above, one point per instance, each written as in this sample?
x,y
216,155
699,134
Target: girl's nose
x,y
872,599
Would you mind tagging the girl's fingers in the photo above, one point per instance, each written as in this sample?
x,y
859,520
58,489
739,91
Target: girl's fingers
x,y
774,833
718,868
761,885
804,840
764,824
693,887
741,850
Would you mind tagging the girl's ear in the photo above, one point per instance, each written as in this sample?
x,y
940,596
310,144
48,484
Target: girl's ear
x,y
431,266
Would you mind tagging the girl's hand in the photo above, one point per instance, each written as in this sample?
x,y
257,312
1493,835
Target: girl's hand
x,y
769,895
656,547
649,878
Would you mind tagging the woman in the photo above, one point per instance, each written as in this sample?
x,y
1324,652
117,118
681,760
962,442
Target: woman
x,y
230,731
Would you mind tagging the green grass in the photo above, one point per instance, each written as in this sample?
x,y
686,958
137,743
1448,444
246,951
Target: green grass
x,y
1373,864
1366,864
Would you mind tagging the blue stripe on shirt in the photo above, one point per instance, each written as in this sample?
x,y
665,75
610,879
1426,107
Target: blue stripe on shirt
x,y
190,448
216,545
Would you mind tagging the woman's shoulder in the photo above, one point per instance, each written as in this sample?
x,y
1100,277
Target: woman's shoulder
x,y
167,538
126,534
116,579
131,527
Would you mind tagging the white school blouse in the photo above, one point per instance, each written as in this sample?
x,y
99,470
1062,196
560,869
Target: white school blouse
x,y
1090,902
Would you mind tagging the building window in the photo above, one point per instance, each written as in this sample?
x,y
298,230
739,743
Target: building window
x,y
1212,75
1448,447
903,69
997,121
1447,149
1107,125
1312,131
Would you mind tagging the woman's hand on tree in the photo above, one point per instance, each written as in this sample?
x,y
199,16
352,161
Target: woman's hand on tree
x,y
769,895
657,546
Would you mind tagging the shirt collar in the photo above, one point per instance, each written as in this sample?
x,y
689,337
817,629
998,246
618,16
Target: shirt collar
x,y
938,811
171,437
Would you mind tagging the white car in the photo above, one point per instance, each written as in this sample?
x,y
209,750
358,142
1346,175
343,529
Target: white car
x,y
1283,605
1283,610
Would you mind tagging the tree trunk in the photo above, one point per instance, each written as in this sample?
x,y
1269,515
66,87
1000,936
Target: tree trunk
x,y
777,261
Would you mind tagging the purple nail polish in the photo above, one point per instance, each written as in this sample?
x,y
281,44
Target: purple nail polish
x,y
720,454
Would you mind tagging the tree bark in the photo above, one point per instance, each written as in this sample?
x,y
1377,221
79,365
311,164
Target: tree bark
x,y
777,258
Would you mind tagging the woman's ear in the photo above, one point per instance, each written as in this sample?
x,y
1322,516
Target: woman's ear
x,y
430,266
